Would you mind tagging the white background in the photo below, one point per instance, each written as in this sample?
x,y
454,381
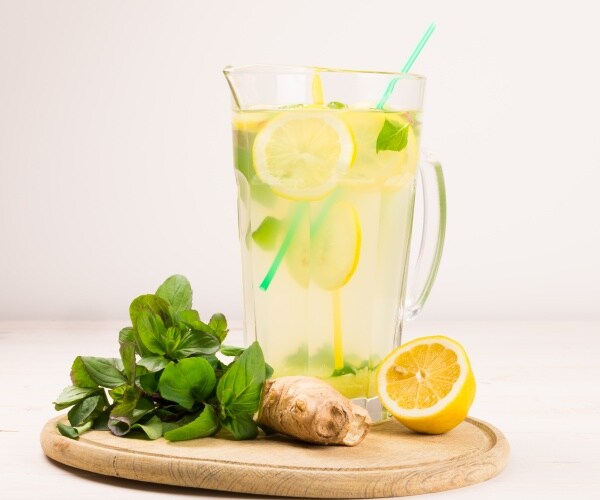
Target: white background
x,y
115,153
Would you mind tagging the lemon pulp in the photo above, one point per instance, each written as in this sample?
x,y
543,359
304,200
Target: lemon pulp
x,y
427,384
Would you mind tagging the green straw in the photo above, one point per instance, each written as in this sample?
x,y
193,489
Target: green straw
x,y
406,68
301,210
297,217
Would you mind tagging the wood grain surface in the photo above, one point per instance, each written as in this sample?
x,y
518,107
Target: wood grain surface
x,y
391,461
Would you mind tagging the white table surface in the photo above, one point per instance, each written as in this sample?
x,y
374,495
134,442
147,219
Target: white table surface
x,y
538,382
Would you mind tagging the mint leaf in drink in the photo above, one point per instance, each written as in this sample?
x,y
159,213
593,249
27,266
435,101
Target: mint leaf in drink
x,y
206,424
177,291
336,105
189,381
241,426
393,136
240,388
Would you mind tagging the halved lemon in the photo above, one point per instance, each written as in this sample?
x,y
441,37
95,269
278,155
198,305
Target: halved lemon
x,y
427,384
329,253
302,155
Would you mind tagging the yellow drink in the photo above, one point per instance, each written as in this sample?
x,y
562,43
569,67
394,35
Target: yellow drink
x,y
339,185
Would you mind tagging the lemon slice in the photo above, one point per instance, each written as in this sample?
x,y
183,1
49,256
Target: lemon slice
x,y
329,256
391,169
302,155
250,121
335,249
427,384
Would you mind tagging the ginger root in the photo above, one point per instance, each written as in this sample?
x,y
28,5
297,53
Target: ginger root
x,y
309,409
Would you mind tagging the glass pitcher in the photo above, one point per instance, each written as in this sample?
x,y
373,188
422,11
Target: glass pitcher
x,y
326,171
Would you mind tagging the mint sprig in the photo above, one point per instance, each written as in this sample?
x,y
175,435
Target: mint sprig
x,y
168,380
393,136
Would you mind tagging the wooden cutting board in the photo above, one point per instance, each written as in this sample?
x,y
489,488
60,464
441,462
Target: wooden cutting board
x,y
391,461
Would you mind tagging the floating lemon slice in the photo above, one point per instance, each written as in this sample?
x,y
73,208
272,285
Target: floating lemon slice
x,y
427,384
330,254
302,155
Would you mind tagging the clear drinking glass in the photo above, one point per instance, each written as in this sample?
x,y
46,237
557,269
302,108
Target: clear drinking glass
x,y
326,185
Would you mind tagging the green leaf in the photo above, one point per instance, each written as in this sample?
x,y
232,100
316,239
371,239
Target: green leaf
x,y
213,360
188,381
80,376
101,421
336,105
85,427
241,426
177,291
268,371
171,340
127,352
153,363
130,334
191,319
170,425
151,316
143,407
151,329
346,370
67,431
149,382
128,411
239,390
153,427
104,371
393,136
231,350
72,395
73,432
206,424
152,303
126,335
218,324
84,410
196,343
119,393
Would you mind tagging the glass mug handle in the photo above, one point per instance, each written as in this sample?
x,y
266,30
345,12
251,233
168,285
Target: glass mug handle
x,y
433,233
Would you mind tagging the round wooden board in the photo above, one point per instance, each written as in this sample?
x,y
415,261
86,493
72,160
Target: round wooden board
x,y
391,461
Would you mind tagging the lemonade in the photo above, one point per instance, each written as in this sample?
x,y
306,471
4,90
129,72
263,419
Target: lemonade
x,y
325,208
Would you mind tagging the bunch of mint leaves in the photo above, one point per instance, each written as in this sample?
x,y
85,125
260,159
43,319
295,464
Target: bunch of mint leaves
x,y
168,380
